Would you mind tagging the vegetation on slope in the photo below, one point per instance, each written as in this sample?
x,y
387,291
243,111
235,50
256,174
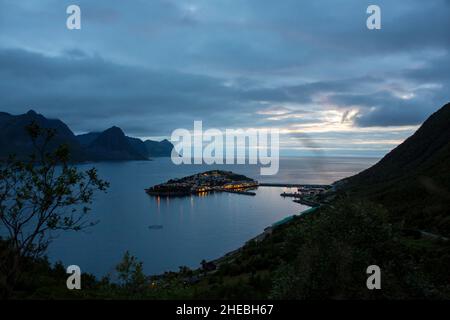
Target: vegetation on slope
x,y
413,180
323,255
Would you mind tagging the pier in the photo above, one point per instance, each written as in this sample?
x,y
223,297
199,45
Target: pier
x,y
295,185
247,193
293,195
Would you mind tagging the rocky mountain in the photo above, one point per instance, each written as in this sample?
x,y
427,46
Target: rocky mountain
x,y
111,144
413,180
14,138
146,149
87,138
135,143
4,117
159,149
138,145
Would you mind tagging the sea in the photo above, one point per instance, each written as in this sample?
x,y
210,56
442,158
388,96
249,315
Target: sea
x,y
166,233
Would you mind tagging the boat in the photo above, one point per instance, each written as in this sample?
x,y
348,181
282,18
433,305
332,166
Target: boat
x,y
155,227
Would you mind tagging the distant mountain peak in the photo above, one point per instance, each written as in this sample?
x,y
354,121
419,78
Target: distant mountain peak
x,y
112,144
31,112
16,140
159,149
114,129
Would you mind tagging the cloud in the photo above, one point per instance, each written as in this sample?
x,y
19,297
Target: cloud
x,y
153,66
93,93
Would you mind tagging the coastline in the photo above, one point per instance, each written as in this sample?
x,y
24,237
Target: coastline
x,y
154,211
260,237
306,195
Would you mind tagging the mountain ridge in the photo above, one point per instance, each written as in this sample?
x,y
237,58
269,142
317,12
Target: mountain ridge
x,y
15,139
113,145
413,180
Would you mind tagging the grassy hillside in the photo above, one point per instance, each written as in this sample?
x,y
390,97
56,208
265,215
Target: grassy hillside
x,y
322,255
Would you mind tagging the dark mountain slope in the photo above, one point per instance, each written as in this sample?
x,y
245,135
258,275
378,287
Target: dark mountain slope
x,y
112,144
159,149
4,117
14,138
413,180
139,146
87,138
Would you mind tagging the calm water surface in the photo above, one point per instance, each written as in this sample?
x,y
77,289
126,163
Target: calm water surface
x,y
193,228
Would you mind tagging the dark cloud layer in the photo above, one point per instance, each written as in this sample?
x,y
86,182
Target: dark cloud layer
x,y
153,66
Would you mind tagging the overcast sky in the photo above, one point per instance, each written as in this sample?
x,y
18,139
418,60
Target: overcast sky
x,y
312,69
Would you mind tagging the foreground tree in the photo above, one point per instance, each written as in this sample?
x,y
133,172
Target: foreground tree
x,y
131,275
38,198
